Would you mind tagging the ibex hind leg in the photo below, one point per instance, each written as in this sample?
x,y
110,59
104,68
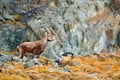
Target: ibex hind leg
x,y
17,51
20,52
38,54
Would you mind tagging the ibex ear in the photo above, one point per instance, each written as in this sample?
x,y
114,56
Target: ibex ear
x,y
47,30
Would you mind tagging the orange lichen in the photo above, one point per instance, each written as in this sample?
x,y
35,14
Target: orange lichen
x,y
12,77
19,24
42,59
12,52
66,60
64,77
16,17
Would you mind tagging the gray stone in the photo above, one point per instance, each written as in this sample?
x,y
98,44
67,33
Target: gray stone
x,y
66,69
57,62
116,40
1,63
7,16
10,67
24,59
32,63
4,58
55,65
101,43
29,64
1,18
11,37
16,59
76,63
51,69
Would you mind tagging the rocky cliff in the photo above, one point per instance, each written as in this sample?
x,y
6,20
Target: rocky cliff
x,y
81,26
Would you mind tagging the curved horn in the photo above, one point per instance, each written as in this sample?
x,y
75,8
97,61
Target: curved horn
x,y
47,30
52,31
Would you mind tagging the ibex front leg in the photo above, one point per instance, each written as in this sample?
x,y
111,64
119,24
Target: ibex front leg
x,y
39,53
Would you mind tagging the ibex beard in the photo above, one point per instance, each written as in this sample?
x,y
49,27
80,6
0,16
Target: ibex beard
x,y
36,47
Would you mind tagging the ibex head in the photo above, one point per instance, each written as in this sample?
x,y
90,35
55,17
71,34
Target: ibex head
x,y
49,34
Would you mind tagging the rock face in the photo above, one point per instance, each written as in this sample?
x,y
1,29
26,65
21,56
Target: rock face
x,y
80,26
10,37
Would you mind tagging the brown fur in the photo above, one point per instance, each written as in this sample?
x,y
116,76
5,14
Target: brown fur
x,y
36,47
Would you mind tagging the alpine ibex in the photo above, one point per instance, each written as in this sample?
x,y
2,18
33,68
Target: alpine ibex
x,y
35,47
